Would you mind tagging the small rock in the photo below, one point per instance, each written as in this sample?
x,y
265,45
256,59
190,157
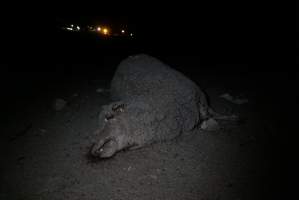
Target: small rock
x,y
100,90
227,97
231,99
210,125
154,176
59,104
128,169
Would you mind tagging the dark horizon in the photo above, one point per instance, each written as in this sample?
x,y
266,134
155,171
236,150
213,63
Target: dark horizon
x,y
231,36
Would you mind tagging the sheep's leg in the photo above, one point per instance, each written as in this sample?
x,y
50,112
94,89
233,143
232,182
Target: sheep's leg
x,y
218,116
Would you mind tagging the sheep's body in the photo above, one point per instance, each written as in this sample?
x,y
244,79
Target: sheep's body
x,y
152,102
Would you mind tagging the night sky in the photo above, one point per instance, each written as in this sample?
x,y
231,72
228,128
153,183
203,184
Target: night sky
x,y
233,36
219,33
225,32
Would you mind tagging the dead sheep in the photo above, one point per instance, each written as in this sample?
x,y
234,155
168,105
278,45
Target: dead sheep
x,y
151,103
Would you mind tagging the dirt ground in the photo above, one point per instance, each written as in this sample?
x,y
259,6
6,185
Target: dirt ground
x,y
45,151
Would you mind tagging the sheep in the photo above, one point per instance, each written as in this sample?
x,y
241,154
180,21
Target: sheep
x,y
151,102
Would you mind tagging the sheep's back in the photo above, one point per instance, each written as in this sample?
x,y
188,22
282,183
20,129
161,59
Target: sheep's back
x,y
169,91
144,75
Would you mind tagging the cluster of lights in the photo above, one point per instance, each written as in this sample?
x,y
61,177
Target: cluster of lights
x,y
72,27
100,29
103,30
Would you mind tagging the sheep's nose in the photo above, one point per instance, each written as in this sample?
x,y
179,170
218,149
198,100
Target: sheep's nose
x,y
98,151
95,151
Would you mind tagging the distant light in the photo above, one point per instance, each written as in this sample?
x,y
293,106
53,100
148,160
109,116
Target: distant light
x,y
105,31
72,25
99,29
122,31
69,29
78,28
131,34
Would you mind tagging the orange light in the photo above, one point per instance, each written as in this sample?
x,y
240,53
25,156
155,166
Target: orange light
x,y
105,31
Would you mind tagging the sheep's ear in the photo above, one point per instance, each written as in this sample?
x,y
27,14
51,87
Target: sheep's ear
x,y
109,116
118,107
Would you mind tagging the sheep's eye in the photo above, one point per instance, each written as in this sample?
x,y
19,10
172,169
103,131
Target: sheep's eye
x,y
108,116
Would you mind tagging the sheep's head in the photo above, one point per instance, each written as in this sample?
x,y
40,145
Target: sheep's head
x,y
113,136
